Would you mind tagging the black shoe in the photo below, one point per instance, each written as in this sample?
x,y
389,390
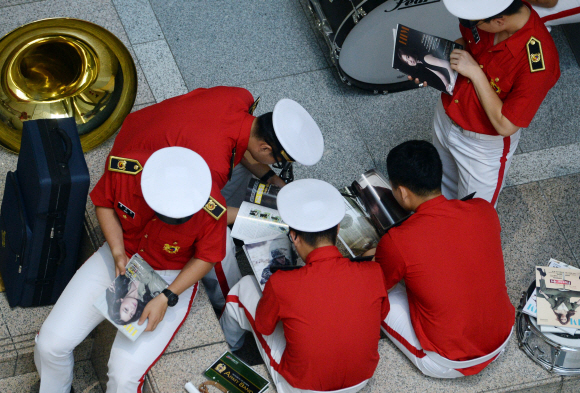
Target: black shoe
x,y
542,273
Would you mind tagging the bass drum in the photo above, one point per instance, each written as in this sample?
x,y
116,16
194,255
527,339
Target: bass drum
x,y
558,353
361,37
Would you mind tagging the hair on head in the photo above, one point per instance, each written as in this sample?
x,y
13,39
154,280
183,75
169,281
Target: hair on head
x,y
265,132
313,239
415,165
407,51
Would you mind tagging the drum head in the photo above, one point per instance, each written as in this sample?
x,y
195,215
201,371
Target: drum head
x,y
367,52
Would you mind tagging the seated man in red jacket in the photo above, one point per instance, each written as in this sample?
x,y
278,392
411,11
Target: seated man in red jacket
x,y
452,316
317,327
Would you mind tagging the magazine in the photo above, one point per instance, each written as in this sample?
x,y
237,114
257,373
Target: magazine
x,y
262,194
234,375
123,302
531,306
264,255
558,296
425,57
257,223
356,234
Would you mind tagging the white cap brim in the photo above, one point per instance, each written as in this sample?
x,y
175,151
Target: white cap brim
x,y
310,205
176,182
297,132
476,9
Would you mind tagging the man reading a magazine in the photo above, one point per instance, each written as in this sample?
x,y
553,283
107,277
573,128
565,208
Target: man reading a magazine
x,y
150,204
509,64
452,316
317,327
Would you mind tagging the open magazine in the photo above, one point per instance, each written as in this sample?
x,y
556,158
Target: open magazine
x,y
123,302
268,254
426,57
558,297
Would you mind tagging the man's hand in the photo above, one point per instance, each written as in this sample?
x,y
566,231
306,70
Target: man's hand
x,y
154,311
121,261
417,81
465,64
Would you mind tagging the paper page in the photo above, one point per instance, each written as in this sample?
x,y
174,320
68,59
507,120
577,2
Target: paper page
x,y
262,255
258,223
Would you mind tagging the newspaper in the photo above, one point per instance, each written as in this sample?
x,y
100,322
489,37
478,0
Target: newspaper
x,y
531,307
426,57
258,223
265,254
123,302
558,296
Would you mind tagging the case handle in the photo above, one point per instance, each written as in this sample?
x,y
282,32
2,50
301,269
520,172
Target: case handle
x,y
68,144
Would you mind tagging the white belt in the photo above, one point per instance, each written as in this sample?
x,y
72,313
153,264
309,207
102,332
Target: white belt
x,y
440,360
475,135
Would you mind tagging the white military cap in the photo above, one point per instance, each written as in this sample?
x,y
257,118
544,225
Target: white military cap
x,y
297,132
176,182
310,205
476,9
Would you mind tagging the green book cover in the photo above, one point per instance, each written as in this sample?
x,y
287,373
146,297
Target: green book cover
x,y
235,375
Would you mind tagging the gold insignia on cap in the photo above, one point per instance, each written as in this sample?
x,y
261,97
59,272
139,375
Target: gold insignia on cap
x,y
286,156
254,106
535,56
214,208
171,249
119,164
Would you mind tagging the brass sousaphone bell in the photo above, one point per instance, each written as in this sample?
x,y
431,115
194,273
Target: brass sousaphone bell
x,y
55,68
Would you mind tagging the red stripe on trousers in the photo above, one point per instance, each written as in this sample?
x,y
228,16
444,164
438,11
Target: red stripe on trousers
x,y
235,299
142,379
506,149
561,14
416,352
222,280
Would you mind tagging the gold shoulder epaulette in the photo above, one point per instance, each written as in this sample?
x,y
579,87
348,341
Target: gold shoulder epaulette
x,y
124,165
535,55
214,208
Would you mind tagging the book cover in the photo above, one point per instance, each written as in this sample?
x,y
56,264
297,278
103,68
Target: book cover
x,y
125,299
235,375
426,57
262,194
558,296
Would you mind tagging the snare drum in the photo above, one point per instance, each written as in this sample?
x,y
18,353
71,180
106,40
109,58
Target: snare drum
x,y
361,37
557,353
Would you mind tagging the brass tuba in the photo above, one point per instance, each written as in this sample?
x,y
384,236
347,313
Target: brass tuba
x,y
62,67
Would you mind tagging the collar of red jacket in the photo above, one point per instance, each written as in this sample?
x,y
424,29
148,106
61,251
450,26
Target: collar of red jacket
x,y
323,253
430,203
517,42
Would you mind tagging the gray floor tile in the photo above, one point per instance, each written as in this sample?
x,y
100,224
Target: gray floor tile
x,y
238,42
388,120
160,69
544,164
345,154
557,121
530,236
8,3
567,59
139,20
563,196
22,320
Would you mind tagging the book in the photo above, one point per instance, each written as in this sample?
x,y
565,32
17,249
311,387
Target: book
x,y
558,296
265,255
123,302
235,375
425,57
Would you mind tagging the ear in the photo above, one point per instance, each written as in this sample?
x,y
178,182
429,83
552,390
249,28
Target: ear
x,y
499,22
405,193
263,147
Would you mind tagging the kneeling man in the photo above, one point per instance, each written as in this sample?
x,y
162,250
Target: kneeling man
x,y
452,317
317,327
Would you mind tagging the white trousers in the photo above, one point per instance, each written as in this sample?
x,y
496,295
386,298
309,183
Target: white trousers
x,y
238,318
74,317
223,276
471,164
565,11
397,326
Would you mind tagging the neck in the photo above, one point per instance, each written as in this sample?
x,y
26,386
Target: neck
x,y
516,21
306,249
419,200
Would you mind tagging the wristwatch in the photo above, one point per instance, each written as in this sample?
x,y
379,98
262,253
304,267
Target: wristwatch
x,y
171,297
